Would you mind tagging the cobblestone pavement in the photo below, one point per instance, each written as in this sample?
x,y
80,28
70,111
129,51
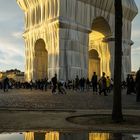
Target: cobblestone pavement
x,y
36,100
24,110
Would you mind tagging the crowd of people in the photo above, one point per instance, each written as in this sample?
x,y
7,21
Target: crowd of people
x,y
103,85
78,84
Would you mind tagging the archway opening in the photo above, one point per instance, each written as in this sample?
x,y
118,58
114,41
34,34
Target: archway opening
x,y
99,51
41,60
94,63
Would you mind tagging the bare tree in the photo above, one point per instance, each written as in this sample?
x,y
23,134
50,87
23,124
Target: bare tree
x,y
117,99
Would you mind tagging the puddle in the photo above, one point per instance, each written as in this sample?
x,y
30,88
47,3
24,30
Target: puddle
x,y
55,135
12,136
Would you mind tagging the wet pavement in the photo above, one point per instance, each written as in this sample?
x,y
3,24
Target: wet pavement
x,y
60,135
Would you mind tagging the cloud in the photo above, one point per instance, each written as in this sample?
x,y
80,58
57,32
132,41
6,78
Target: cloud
x,y
17,35
136,51
11,55
11,48
136,34
11,41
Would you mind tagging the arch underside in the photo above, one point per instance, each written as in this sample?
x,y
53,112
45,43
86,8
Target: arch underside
x,y
100,63
94,63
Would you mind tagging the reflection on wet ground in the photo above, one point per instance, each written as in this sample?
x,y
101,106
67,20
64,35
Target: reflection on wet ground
x,y
55,135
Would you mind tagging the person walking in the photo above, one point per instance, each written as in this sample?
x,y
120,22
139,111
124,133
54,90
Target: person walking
x,y
61,89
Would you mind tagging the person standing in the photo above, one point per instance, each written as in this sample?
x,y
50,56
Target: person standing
x,y
108,84
82,84
31,84
137,81
128,84
87,84
77,82
46,83
103,85
94,82
54,82
5,84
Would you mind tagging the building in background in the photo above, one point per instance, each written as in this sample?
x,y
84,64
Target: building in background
x,y
74,37
13,74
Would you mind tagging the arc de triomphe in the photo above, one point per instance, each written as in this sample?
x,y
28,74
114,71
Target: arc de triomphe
x,y
74,37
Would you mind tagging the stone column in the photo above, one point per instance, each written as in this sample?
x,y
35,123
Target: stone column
x,y
126,58
73,52
111,45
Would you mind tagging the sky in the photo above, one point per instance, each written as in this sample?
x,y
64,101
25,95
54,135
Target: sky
x,y
12,44
136,39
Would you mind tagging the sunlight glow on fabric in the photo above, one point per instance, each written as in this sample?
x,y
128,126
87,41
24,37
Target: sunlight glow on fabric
x,y
71,31
102,61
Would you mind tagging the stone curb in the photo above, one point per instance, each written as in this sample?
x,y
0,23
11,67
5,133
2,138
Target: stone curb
x,y
77,111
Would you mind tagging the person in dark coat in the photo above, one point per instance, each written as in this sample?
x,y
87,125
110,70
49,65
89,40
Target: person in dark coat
x,y
94,82
82,84
103,85
5,84
87,84
54,82
46,83
128,84
137,82
132,85
77,82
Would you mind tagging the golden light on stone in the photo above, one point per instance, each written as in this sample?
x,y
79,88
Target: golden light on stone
x,y
70,29
41,135
54,135
29,136
99,136
99,54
